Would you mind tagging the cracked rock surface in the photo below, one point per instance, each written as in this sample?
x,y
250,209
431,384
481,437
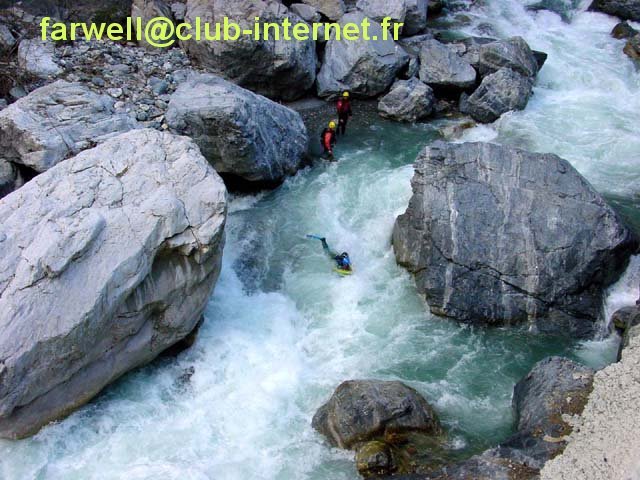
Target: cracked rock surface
x,y
498,235
108,259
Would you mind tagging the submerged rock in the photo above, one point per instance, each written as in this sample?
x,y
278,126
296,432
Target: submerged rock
x,y
242,134
365,410
499,92
498,235
408,101
365,68
624,9
109,258
442,67
623,30
276,69
55,122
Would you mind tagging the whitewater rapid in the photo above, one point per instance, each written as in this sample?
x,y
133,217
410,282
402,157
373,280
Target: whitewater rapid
x,y
282,330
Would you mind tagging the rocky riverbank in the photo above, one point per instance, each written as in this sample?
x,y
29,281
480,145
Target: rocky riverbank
x,y
604,442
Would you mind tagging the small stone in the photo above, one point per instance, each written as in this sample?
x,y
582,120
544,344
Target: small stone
x,y
115,92
98,82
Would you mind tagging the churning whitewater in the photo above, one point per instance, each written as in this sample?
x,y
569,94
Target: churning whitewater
x,y
282,330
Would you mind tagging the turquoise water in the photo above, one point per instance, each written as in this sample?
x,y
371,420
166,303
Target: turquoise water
x,y
282,330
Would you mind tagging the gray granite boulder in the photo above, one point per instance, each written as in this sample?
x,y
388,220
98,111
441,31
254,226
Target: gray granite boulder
x,y
243,135
277,69
364,410
109,258
498,93
365,68
55,122
497,235
624,9
442,67
408,101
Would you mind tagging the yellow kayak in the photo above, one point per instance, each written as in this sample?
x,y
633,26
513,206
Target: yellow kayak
x,y
340,271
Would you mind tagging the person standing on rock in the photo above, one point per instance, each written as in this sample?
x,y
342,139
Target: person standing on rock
x,y
344,113
328,139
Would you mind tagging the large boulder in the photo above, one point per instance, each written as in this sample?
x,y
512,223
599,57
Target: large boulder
x,y
365,67
411,13
513,53
498,235
441,67
55,122
498,93
37,58
278,69
243,135
109,258
365,410
408,101
624,9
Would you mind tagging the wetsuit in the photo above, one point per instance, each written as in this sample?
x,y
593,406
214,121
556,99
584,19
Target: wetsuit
x,y
344,113
328,140
341,263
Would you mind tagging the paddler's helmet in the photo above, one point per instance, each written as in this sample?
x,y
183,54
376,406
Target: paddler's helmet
x,y
345,94
332,125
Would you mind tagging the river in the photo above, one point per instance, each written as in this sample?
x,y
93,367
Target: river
x,y
282,330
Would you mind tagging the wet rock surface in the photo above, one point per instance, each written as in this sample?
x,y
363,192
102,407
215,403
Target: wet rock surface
x,y
364,410
480,217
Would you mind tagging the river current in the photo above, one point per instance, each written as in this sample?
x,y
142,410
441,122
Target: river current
x,y
282,330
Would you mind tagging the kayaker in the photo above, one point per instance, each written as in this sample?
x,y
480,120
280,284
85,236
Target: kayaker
x,y
343,262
